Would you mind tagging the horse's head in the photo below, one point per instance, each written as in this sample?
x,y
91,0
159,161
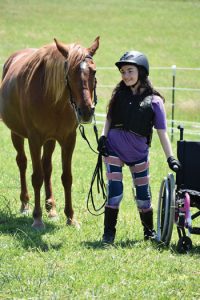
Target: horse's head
x,y
80,77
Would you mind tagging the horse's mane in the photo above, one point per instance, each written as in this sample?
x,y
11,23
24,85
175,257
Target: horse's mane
x,y
53,64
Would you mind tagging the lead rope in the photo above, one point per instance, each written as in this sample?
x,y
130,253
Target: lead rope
x,y
101,187
82,131
97,174
98,171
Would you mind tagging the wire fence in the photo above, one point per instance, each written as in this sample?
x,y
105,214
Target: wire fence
x,y
173,69
193,128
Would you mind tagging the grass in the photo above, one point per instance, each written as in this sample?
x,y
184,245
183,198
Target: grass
x,y
65,263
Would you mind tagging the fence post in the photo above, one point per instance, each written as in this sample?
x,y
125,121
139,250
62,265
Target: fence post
x,y
173,99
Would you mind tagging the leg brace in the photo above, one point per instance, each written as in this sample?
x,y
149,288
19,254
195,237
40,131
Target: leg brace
x,y
114,181
140,175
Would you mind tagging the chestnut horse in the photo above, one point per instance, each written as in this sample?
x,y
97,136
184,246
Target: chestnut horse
x,y
45,93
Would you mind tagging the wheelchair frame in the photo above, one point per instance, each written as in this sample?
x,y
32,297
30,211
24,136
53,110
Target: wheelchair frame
x,y
174,206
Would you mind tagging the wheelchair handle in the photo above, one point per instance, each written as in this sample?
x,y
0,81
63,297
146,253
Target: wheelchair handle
x,y
181,128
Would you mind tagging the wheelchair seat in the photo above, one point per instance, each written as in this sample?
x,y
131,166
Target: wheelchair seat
x,y
188,153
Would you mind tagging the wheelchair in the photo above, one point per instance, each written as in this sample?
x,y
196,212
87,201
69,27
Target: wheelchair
x,y
179,199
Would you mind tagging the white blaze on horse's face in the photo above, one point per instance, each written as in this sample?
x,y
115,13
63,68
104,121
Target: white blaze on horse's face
x,y
83,65
85,108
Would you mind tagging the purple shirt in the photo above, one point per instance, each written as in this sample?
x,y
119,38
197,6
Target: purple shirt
x,y
131,147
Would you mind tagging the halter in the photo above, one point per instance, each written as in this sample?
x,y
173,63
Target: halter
x,y
74,106
71,98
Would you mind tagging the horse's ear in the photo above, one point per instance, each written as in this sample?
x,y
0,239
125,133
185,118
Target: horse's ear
x,y
62,49
92,50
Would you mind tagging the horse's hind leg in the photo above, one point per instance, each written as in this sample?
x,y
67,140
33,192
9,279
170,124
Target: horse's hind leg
x,y
47,169
21,160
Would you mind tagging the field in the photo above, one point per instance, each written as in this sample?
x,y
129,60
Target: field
x,y
65,263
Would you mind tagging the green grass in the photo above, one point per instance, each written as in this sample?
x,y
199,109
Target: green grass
x,y
65,263
62,262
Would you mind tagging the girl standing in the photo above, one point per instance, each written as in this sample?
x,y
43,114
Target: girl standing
x,y
134,109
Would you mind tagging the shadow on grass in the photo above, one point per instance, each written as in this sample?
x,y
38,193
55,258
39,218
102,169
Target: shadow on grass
x,y
132,243
99,245
19,227
195,250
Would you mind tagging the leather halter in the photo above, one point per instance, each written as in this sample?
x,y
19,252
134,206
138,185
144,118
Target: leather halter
x,y
71,98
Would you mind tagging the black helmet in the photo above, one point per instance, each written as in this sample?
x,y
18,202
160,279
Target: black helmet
x,y
134,58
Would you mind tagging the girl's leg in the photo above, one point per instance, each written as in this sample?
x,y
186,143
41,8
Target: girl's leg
x,y
140,175
115,194
114,181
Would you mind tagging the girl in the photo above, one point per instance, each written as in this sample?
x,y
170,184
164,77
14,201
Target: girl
x,y
134,109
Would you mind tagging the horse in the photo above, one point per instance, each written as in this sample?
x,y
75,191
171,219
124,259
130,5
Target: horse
x,y
45,94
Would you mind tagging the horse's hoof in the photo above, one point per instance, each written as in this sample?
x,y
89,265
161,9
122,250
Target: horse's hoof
x,y
53,215
24,209
73,222
38,225
25,212
53,218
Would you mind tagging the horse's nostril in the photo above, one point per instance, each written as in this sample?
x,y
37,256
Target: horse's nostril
x,y
85,114
79,111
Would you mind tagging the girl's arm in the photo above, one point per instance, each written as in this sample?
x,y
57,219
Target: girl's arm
x,y
165,142
102,148
173,163
106,127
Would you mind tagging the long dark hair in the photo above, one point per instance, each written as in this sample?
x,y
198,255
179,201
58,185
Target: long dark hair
x,y
145,84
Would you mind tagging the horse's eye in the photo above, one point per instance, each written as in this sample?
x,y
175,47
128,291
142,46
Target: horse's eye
x,y
92,72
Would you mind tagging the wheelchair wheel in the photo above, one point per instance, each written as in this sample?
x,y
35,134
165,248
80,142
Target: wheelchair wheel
x,y
166,210
184,244
163,204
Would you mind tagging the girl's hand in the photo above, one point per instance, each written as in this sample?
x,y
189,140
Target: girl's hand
x,y
174,164
102,148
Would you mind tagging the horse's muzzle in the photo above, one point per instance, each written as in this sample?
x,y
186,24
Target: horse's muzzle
x,y
85,114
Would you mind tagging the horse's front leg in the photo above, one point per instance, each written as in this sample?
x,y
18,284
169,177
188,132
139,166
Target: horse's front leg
x,y
47,169
37,180
18,143
67,151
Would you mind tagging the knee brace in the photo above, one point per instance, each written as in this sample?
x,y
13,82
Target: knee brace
x,y
114,181
140,175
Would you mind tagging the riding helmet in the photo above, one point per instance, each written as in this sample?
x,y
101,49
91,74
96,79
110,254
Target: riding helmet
x,y
134,58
